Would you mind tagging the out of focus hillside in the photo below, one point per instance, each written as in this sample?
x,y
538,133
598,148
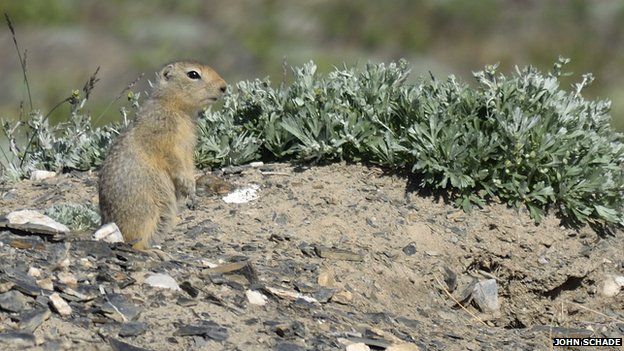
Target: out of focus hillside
x,y
66,40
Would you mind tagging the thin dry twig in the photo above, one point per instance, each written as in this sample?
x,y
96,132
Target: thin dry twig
x,y
474,316
19,55
121,93
596,312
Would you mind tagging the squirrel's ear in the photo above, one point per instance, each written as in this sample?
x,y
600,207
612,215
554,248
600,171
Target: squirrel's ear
x,y
166,72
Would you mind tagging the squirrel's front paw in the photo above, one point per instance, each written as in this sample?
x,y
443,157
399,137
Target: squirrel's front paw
x,y
191,201
185,187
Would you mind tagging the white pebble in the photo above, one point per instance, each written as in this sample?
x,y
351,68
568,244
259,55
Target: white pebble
x,y
164,281
360,346
612,285
108,232
41,175
256,298
244,195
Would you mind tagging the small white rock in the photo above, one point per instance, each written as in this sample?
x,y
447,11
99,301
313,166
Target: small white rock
x,y
243,195
164,281
109,232
256,298
612,285
291,295
208,264
256,164
34,272
41,175
60,305
360,346
33,221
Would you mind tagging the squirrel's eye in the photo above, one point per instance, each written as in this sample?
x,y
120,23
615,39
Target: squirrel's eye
x,y
193,75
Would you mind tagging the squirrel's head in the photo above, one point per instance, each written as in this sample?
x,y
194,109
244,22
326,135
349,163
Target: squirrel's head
x,y
188,85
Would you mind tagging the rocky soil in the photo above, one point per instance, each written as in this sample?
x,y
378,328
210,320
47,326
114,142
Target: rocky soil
x,y
338,257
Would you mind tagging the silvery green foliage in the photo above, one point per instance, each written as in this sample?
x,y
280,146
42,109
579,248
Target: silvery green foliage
x,y
520,138
75,216
74,144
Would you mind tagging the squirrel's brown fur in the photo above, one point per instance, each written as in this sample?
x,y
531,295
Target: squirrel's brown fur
x,y
149,168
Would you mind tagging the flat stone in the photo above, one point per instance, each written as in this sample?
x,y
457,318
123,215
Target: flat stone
x,y
189,289
32,222
256,298
485,295
118,308
118,345
612,285
6,286
323,295
343,297
67,278
17,339
24,283
207,329
32,319
132,329
244,268
163,281
290,295
13,301
337,254
46,284
109,233
60,305
95,249
81,292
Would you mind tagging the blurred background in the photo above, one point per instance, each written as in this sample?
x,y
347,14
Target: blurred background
x,y
245,39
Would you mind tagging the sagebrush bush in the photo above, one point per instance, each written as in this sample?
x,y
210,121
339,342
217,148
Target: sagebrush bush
x,y
520,138
74,144
75,216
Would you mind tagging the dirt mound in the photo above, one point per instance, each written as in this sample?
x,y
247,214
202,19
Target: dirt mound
x,y
324,257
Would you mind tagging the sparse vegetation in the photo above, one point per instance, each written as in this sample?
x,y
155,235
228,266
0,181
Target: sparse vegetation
x,y
519,138
76,217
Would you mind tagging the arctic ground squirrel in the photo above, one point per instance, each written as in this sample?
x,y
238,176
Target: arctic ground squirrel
x,y
149,169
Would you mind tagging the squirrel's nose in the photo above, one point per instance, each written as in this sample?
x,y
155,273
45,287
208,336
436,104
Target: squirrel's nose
x,y
223,88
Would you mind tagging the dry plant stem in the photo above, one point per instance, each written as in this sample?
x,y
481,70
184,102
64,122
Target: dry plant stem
x,y
32,137
596,312
123,91
21,59
457,302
